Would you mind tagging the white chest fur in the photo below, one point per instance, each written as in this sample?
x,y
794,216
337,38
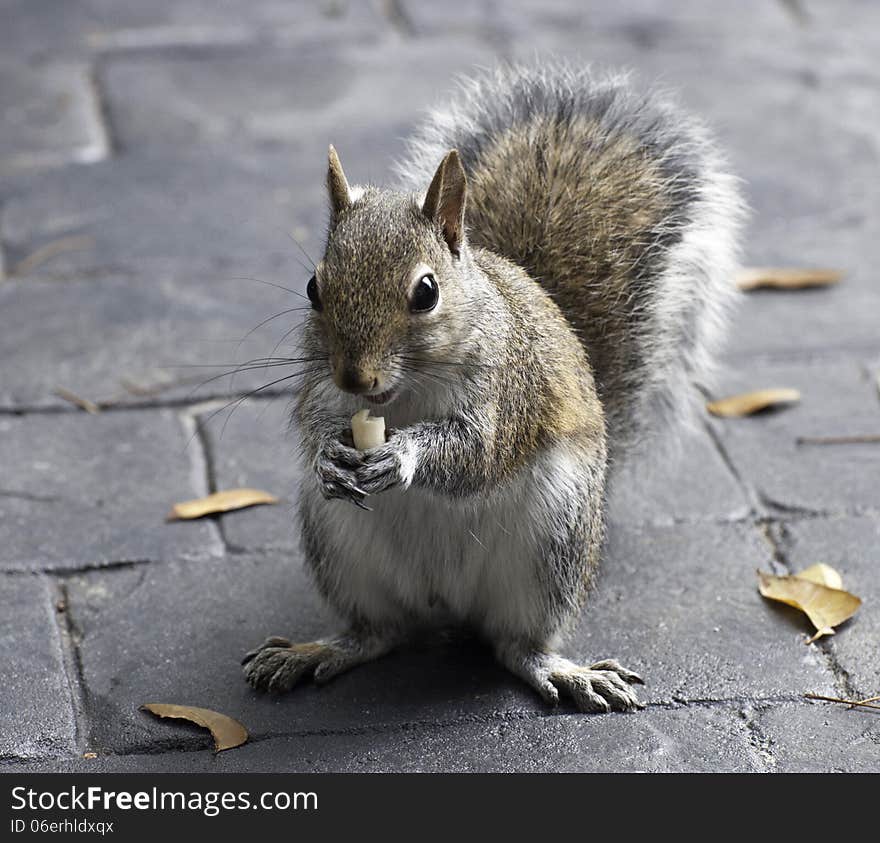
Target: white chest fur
x,y
479,561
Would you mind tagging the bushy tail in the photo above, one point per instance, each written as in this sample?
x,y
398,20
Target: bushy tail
x,y
619,205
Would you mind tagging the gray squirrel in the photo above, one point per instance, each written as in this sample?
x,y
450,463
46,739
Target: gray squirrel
x,y
522,314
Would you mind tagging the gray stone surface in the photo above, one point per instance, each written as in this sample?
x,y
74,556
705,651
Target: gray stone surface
x,y
681,607
302,97
676,481
168,337
852,546
36,700
838,399
822,738
239,601
194,210
254,447
211,121
82,26
678,740
49,114
81,490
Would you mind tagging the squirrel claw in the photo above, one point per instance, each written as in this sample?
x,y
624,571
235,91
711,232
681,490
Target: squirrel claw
x,y
272,641
616,667
600,688
598,691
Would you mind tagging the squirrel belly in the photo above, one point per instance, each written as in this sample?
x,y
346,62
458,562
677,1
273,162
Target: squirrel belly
x,y
620,205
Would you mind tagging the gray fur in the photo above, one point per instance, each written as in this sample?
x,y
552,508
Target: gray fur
x,y
579,229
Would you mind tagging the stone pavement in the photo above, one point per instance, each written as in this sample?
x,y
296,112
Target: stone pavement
x,y
154,156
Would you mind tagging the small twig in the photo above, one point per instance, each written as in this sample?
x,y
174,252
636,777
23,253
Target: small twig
x,y
786,278
870,438
82,403
76,243
862,703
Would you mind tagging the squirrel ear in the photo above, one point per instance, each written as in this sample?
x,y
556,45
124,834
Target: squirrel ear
x,y
337,185
445,200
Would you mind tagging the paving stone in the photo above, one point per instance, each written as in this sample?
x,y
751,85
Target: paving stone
x,y
681,607
176,632
168,336
82,490
303,98
822,738
643,22
254,447
647,741
838,398
36,710
76,26
686,739
49,115
852,546
229,213
675,481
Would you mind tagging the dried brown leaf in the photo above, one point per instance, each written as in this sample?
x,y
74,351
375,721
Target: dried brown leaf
x,y
228,733
826,606
778,278
219,502
752,402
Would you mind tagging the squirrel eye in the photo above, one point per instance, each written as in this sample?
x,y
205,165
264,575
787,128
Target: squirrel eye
x,y
425,295
312,293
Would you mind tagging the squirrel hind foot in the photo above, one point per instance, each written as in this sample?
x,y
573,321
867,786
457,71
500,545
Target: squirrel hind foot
x,y
278,665
598,689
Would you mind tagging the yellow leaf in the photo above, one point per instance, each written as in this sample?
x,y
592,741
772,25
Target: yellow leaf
x,y
826,607
219,502
822,574
228,733
786,278
752,402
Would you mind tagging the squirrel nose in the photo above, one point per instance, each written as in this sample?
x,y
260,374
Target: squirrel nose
x,y
354,379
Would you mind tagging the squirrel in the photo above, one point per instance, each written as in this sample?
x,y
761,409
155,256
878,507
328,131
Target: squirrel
x,y
524,315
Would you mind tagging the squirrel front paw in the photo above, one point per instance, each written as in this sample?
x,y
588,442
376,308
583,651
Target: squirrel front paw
x,y
336,467
389,465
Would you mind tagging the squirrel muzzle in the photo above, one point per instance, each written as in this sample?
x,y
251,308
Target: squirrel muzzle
x,y
357,379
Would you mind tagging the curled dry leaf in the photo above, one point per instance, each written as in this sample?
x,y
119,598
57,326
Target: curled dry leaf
x,y
219,502
227,733
817,592
778,278
752,402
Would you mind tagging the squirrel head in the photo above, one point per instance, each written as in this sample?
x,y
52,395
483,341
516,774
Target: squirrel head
x,y
386,296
